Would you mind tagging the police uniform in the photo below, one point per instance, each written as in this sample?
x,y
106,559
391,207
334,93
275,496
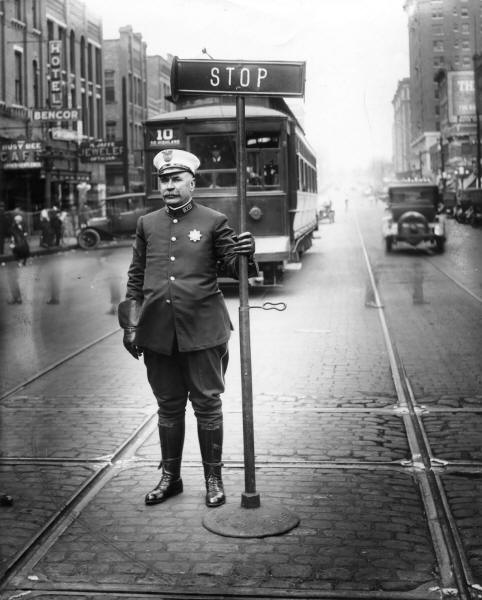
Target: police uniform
x,y
182,324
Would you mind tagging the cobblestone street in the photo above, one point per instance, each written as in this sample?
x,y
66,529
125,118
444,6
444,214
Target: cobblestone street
x,y
332,445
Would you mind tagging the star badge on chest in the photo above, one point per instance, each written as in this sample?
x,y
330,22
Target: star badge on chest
x,y
195,235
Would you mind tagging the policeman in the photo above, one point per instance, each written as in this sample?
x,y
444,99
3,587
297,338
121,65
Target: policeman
x,y
175,315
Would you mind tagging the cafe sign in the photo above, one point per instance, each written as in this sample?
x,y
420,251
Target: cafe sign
x,y
246,78
21,155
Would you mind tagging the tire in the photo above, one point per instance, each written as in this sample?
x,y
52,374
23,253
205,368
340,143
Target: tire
x,y
88,239
388,244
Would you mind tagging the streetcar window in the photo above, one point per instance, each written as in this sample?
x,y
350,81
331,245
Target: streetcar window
x,y
262,141
217,154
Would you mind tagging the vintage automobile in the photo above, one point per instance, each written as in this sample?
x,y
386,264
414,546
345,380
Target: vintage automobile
x,y
118,219
413,216
469,207
326,212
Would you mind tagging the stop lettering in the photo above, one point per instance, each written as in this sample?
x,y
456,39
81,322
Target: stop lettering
x,y
238,77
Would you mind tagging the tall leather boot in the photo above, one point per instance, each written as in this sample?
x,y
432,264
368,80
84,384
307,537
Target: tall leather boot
x,y
172,442
211,446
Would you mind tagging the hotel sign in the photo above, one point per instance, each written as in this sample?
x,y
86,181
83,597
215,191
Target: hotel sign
x,y
239,78
55,72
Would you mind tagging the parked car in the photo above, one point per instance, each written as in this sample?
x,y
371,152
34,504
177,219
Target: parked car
x,y
469,206
119,219
414,216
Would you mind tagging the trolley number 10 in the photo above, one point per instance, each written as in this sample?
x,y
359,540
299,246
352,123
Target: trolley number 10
x,y
238,77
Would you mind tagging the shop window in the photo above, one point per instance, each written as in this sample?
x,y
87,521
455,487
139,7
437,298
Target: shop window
x,y
35,84
72,51
110,131
18,79
98,66
109,82
17,10
35,15
90,66
82,57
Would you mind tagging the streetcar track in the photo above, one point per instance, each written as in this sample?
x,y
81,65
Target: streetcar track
x,y
454,280
59,522
453,563
56,364
447,544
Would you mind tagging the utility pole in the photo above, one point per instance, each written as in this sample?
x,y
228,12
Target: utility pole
x,y
125,135
478,91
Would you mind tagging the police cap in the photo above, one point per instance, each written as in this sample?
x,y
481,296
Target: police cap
x,y
173,161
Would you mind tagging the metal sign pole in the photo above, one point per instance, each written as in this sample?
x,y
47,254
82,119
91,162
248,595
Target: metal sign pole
x,y
250,498
251,519
241,79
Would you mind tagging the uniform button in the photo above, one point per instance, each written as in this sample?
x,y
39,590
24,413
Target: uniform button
x,y
172,278
174,238
173,258
168,301
174,220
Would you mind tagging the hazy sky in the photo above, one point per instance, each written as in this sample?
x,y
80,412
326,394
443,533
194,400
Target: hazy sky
x,y
356,51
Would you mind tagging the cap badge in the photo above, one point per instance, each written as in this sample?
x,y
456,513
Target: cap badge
x,y
195,235
167,155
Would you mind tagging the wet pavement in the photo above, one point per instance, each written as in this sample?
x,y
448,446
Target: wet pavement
x,y
79,450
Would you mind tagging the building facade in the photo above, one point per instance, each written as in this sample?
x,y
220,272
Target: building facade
x,y
125,72
403,165
51,100
159,85
443,36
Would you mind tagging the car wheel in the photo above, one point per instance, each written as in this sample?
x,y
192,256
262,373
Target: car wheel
x,y
89,239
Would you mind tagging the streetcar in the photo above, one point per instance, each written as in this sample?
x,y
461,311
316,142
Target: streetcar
x,y
281,175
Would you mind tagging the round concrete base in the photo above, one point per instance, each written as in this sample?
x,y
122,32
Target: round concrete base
x,y
236,521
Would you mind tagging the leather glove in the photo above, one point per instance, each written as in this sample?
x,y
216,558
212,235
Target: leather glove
x,y
129,342
244,244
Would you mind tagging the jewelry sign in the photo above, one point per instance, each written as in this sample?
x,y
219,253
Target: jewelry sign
x,y
246,78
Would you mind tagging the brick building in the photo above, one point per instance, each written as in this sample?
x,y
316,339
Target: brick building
x,y
125,72
51,98
403,163
443,37
159,85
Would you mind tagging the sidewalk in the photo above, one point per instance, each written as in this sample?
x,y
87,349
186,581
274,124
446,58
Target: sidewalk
x,y
67,243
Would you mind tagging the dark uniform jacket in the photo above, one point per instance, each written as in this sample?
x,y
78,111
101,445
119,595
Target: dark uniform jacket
x,y
173,273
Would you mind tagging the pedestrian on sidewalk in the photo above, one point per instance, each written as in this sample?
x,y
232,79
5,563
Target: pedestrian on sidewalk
x,y
18,240
175,314
46,233
57,225
4,227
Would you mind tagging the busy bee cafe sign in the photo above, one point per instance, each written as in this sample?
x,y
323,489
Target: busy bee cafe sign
x,y
242,79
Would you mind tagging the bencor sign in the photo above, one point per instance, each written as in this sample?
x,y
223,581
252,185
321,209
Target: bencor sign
x,y
247,78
